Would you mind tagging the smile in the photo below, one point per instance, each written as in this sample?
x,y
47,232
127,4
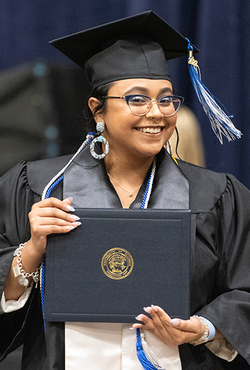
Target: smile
x,y
150,130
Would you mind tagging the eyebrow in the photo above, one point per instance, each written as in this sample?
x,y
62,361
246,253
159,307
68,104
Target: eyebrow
x,y
145,90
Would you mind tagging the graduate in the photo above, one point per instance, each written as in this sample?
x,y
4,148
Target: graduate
x,y
123,163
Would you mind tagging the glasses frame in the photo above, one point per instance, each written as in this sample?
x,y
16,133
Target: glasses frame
x,y
128,97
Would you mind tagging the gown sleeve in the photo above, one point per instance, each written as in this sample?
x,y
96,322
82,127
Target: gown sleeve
x,y
229,303
16,199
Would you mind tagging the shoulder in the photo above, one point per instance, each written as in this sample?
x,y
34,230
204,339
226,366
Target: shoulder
x,y
191,170
206,186
33,176
39,173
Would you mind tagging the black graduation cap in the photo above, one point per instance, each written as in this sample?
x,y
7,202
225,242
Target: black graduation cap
x,y
132,47
138,47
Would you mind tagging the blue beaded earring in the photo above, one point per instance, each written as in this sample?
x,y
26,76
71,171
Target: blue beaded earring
x,y
100,139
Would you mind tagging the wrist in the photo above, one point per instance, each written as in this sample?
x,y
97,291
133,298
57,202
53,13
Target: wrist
x,y
208,334
32,253
19,271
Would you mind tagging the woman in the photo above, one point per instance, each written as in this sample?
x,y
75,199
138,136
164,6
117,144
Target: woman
x,y
134,110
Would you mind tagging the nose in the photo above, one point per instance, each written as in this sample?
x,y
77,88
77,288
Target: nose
x,y
154,111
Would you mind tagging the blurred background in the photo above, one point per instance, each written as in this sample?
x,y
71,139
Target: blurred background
x,y
43,94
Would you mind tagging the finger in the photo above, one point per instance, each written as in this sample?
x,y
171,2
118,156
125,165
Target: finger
x,y
55,202
47,221
56,229
144,322
193,325
159,316
52,217
156,326
50,212
157,311
187,326
152,321
68,202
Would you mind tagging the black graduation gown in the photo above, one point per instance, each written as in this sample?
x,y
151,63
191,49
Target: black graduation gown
x,y
220,277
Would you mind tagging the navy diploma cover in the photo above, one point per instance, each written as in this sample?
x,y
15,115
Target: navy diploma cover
x,y
117,262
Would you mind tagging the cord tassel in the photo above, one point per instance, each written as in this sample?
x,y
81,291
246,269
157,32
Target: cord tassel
x,y
220,121
145,355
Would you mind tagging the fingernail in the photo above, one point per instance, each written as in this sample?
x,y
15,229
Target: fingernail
x,y
175,322
70,208
137,318
147,309
70,227
153,307
70,198
131,328
78,223
74,217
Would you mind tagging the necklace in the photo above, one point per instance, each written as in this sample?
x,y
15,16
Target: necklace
x,y
130,193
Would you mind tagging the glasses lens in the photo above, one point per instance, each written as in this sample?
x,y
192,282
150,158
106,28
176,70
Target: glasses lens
x,y
168,105
138,104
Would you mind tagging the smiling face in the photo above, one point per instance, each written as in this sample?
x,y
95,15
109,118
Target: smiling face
x,y
134,136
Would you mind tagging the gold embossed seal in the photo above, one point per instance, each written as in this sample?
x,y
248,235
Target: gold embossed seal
x,y
117,263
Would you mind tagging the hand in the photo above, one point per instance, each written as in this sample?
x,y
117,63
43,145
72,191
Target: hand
x,y
50,216
172,332
46,217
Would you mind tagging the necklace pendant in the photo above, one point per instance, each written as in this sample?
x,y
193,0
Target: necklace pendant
x,y
131,194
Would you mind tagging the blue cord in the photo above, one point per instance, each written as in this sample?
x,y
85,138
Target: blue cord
x,y
146,193
44,260
53,186
43,292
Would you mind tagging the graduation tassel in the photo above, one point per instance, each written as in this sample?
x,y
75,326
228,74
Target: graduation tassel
x,y
220,121
144,354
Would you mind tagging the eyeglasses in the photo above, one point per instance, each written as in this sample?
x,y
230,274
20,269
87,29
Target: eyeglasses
x,y
141,104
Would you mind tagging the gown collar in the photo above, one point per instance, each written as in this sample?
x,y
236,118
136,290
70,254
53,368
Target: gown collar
x,y
86,180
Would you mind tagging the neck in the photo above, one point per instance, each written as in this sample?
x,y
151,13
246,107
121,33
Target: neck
x,y
133,171
127,176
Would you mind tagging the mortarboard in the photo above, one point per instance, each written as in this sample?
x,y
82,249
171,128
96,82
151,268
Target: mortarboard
x,y
133,47
138,47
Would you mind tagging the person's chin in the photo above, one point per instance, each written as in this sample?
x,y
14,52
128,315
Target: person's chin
x,y
151,150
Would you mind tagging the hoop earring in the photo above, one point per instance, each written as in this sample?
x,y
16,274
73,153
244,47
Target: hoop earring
x,y
100,139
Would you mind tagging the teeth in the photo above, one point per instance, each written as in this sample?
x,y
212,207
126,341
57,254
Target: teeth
x,y
150,130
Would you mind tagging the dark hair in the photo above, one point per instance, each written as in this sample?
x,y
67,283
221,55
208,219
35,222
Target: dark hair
x,y
97,93
177,142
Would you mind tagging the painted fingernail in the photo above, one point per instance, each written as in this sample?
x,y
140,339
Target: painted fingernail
x,y
137,318
131,328
70,227
78,223
153,307
70,198
70,208
175,322
147,309
74,217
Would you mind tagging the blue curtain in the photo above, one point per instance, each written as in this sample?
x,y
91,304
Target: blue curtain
x,y
220,29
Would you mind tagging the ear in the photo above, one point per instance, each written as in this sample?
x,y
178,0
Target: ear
x,y
92,103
